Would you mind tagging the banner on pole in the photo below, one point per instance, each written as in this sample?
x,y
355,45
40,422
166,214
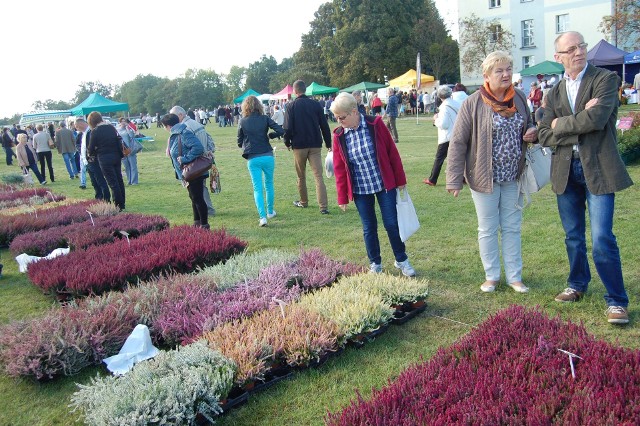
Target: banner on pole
x,y
418,76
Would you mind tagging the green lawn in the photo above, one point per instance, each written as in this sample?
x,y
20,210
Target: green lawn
x,y
444,251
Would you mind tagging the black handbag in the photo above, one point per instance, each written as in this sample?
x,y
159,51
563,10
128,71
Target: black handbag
x,y
195,168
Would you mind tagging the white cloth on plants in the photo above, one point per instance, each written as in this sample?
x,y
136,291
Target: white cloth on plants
x,y
136,348
24,259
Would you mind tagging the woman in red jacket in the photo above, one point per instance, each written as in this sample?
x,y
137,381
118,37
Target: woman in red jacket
x,y
367,166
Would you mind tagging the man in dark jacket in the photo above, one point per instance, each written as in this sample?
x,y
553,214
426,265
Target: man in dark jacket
x,y
305,128
579,124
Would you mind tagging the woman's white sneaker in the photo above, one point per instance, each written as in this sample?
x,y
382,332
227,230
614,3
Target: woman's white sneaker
x,y
263,221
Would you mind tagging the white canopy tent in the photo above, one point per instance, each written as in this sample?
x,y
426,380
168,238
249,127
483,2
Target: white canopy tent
x,y
35,117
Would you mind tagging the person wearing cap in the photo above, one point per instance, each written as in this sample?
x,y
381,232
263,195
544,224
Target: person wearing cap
x,y
66,144
443,120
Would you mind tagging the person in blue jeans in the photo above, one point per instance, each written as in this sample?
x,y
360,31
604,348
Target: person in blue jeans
x,y
253,138
27,157
579,124
66,143
130,162
368,167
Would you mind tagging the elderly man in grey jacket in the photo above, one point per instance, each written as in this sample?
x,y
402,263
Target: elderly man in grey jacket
x,y
66,144
579,124
206,141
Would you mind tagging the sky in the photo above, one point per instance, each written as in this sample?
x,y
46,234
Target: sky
x,y
51,47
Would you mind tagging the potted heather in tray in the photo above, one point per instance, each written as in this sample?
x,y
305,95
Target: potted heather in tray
x,y
355,311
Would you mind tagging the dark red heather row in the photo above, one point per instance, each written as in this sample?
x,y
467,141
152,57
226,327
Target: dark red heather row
x,y
509,371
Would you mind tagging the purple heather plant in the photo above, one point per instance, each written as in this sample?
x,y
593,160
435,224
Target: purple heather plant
x,y
509,371
85,234
12,226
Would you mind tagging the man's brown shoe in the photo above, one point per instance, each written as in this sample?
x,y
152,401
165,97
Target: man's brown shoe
x,y
617,315
569,295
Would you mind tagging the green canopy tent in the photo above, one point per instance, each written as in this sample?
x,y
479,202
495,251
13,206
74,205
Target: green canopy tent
x,y
97,102
364,86
318,89
245,95
546,67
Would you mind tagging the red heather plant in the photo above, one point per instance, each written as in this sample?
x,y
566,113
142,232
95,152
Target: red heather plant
x,y
509,371
12,226
85,234
65,340
112,266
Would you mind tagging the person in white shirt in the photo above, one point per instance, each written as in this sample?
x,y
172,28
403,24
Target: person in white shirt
x,y
278,115
444,121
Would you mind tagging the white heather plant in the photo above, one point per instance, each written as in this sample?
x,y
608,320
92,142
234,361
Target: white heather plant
x,y
391,289
246,266
170,389
354,310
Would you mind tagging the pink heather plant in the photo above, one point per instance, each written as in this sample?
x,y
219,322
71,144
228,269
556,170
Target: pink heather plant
x,y
10,199
509,371
65,340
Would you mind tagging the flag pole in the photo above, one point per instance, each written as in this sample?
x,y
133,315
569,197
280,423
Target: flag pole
x,y
418,81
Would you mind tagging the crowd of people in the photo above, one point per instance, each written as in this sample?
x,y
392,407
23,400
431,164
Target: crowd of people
x,y
484,136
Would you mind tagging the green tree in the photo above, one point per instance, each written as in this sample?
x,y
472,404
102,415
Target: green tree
x,y
623,27
309,60
478,38
88,87
372,39
234,82
50,104
440,53
260,72
135,92
156,100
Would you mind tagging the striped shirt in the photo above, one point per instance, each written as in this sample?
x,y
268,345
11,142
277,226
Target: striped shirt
x,y
392,106
361,154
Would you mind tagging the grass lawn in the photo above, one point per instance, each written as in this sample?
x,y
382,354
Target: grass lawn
x,y
444,251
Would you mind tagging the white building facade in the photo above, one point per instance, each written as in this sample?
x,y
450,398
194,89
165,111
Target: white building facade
x,y
535,25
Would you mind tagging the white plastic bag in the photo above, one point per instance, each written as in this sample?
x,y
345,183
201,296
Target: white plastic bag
x,y
328,164
536,173
24,259
136,348
407,217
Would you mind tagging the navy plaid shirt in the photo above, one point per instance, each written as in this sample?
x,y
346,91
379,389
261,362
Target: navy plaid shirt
x,y
392,106
361,153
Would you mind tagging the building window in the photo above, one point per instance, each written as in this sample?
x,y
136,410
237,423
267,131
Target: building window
x,y
496,30
494,3
527,33
528,61
562,23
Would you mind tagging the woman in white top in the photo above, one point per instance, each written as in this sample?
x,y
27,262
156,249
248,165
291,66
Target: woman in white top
x,y
443,120
43,143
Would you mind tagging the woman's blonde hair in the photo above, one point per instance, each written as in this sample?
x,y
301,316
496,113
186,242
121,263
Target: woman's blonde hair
x,y
495,58
22,137
250,105
344,103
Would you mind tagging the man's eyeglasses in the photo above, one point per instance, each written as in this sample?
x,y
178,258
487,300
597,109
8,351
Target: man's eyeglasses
x,y
572,49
